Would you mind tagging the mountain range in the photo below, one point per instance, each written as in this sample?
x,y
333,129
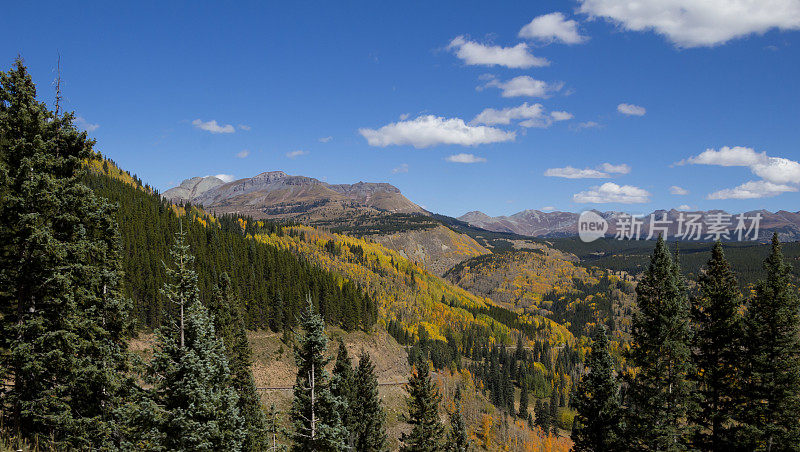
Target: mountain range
x,y
535,223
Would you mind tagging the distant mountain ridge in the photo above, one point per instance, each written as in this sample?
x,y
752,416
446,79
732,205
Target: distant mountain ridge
x,y
535,223
275,194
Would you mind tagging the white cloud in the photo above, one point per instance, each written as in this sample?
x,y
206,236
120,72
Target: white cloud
x,y
325,139
225,177
612,193
523,86
532,115
243,153
680,191
631,110
586,125
85,125
244,127
295,154
548,209
465,158
777,170
553,27
403,168
561,115
602,171
752,190
474,54
696,23
212,126
405,116
570,172
429,130
617,169
684,207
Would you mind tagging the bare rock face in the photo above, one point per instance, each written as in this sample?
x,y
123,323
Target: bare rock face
x,y
275,194
190,189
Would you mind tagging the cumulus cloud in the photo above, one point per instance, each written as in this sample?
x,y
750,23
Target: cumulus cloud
x,y
244,127
85,125
548,209
684,207
465,158
777,170
212,126
295,154
561,115
243,154
694,23
622,168
553,27
225,177
611,192
522,86
680,191
602,171
477,54
631,110
403,168
531,115
325,139
430,130
752,190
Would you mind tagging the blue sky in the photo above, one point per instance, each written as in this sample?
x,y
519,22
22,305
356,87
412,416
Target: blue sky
x,y
616,105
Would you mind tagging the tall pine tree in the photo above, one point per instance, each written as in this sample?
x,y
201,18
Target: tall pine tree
x,y
343,388
189,372
659,389
62,318
315,410
770,418
716,352
597,424
427,431
369,417
457,438
229,325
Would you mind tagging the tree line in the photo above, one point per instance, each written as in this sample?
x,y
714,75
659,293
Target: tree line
x,y
710,369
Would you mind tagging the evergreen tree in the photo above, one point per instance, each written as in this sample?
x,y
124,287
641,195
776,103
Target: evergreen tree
x,y
189,372
62,318
597,422
315,410
457,438
659,390
273,430
229,325
369,416
542,411
716,352
523,401
554,411
427,431
343,388
769,418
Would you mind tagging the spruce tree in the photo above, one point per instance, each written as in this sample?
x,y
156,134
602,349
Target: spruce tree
x,y
554,411
427,431
542,411
315,410
189,372
229,325
523,400
660,388
368,414
769,418
63,320
457,438
716,352
343,388
597,422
